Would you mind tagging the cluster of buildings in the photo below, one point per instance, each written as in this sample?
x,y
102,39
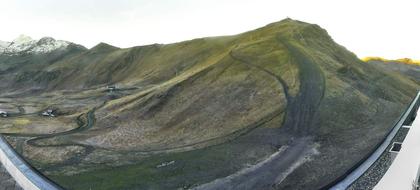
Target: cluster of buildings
x,y
46,113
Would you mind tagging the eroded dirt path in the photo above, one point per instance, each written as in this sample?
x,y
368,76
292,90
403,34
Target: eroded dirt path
x,y
303,108
267,173
300,121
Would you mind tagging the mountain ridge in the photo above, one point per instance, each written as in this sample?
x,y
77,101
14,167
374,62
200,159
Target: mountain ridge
x,y
25,44
407,67
407,61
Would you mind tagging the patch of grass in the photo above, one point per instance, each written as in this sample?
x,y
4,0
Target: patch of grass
x,y
21,121
190,169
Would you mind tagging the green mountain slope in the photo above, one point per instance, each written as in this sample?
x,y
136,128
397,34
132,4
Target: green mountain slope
x,y
282,106
408,70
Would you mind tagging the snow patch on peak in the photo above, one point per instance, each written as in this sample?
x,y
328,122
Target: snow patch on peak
x,y
48,44
22,39
3,46
46,40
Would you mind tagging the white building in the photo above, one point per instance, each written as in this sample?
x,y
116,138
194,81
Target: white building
x,y
49,113
3,113
111,88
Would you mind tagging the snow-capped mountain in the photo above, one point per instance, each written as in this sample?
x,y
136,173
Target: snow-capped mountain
x,y
25,44
3,45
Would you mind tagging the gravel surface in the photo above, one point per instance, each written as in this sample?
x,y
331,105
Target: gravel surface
x,y
372,176
6,181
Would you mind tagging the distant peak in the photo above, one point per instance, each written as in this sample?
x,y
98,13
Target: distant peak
x,y
25,44
103,44
45,40
103,47
22,39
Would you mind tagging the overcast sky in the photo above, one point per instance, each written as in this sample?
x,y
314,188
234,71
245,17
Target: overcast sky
x,y
388,28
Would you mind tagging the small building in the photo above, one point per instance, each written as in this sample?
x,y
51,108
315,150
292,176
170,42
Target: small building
x,y
111,88
3,114
48,113
164,164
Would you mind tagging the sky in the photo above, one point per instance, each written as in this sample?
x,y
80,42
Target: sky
x,y
386,28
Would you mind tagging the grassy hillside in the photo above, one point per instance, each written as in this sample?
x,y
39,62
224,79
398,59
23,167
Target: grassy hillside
x,y
282,106
404,67
407,61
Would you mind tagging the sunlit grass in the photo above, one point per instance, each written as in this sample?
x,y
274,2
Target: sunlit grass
x,y
402,60
21,121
